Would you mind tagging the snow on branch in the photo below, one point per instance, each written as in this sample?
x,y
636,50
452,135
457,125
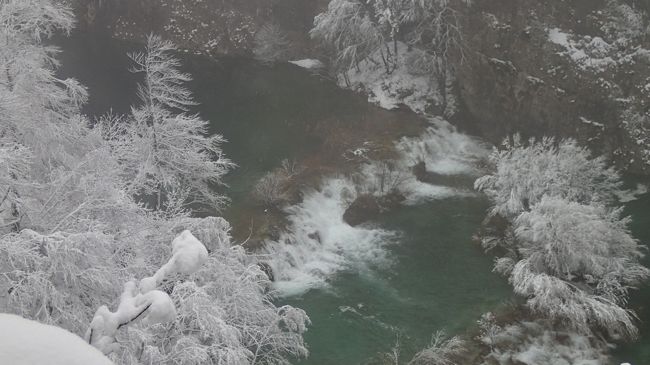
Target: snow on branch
x,y
143,301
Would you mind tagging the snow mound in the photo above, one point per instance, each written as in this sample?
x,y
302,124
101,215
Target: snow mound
x,y
27,342
308,63
188,255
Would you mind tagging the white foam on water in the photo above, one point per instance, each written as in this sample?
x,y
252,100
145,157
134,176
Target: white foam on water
x,y
443,149
318,243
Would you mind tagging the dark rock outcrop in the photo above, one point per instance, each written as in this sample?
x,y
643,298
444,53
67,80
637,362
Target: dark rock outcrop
x,y
367,207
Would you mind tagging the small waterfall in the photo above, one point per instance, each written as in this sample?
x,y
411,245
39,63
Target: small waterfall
x,y
445,152
443,149
318,243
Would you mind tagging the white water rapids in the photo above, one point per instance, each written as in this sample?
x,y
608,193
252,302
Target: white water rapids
x,y
318,243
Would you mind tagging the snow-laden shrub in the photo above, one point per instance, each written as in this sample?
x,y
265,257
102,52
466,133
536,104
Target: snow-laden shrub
x,y
274,188
441,351
72,235
525,172
535,343
224,314
565,251
59,278
576,265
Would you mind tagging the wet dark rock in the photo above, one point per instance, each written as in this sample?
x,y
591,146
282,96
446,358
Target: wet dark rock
x,y
368,207
267,269
315,236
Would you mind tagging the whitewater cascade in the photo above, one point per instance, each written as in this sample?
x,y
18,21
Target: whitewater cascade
x,y
319,243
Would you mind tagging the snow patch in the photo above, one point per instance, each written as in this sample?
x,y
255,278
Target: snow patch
x,y
588,53
308,63
27,342
591,122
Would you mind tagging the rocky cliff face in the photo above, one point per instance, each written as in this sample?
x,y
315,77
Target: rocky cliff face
x,y
210,27
564,68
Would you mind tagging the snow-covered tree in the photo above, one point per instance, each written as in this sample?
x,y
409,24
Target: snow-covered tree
x,y
224,313
73,233
441,351
576,264
166,153
348,30
524,173
566,252
15,161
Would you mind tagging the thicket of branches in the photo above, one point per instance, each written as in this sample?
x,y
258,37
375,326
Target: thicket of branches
x,y
567,249
86,207
356,31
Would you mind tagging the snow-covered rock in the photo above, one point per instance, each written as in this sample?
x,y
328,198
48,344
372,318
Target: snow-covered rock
x,y
27,342
188,255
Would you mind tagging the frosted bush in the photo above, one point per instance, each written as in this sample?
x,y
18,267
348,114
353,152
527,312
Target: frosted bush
x,y
73,233
576,264
534,343
441,351
524,173
274,188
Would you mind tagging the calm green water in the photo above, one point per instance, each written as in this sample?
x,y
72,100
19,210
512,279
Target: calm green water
x,y
438,279
638,353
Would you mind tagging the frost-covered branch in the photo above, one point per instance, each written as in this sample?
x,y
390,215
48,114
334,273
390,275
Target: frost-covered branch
x,y
143,301
569,254
163,150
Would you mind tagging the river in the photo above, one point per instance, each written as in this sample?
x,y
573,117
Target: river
x,y
411,272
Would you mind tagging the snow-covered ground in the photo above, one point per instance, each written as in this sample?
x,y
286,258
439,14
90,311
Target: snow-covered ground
x,y
27,342
389,90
